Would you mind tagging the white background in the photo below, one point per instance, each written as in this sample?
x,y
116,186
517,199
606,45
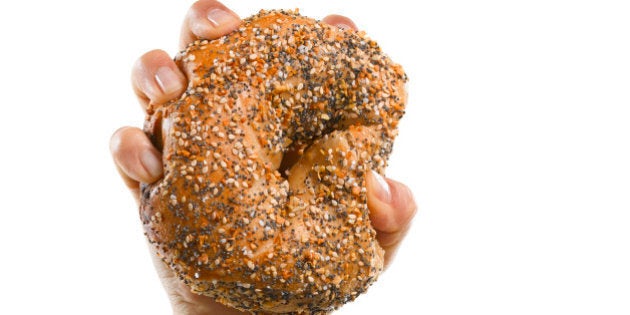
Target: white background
x,y
516,144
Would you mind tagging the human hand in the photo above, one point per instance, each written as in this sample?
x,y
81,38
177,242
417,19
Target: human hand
x,y
157,79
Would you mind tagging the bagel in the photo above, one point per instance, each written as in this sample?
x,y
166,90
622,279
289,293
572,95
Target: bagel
x,y
263,202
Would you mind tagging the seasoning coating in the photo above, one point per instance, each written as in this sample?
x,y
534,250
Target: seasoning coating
x,y
263,202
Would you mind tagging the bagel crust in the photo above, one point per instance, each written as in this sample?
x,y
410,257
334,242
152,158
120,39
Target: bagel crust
x,y
263,202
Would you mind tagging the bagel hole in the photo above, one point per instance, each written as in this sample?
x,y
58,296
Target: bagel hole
x,y
290,157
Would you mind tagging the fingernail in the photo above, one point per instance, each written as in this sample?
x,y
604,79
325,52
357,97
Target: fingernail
x,y
151,162
382,190
218,16
168,80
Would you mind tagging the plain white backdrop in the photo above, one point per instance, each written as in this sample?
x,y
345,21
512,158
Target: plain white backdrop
x,y
516,144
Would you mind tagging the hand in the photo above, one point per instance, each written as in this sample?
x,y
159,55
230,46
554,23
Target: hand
x,y
157,79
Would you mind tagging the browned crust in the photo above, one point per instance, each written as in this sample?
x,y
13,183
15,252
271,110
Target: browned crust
x,y
224,218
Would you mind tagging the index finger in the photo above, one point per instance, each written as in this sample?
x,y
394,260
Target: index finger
x,y
207,19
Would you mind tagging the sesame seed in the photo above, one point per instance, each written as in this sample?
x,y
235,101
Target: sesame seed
x,y
230,121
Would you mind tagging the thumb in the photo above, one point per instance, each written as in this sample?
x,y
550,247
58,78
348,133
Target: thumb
x,y
392,207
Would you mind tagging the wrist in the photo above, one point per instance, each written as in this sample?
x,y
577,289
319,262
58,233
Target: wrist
x,y
193,304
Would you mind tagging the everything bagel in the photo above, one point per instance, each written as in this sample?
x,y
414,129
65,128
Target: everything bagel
x,y
263,202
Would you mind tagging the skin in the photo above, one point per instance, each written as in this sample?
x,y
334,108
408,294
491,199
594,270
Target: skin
x,y
157,79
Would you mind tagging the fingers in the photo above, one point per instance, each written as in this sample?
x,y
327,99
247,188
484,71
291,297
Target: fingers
x,y
211,19
208,19
156,78
391,207
340,21
135,157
